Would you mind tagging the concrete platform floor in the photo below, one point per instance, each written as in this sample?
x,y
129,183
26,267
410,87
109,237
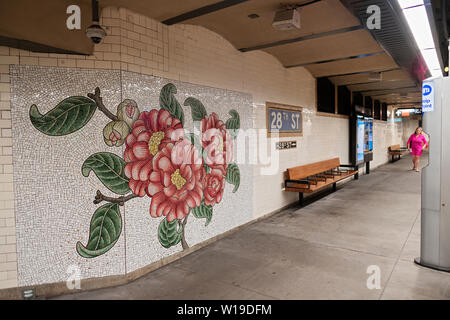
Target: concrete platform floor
x,y
321,251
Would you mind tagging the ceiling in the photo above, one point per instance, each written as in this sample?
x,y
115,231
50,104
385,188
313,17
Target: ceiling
x,y
25,24
332,41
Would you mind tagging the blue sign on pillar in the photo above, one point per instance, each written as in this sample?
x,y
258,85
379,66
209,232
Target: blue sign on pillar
x,y
427,96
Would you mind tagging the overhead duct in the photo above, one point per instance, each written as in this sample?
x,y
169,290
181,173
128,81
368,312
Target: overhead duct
x,y
287,19
288,16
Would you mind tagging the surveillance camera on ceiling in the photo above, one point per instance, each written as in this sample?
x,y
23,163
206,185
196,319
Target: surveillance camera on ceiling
x,y
95,33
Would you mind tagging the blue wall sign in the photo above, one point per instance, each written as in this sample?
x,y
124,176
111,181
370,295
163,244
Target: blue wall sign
x,y
285,120
427,96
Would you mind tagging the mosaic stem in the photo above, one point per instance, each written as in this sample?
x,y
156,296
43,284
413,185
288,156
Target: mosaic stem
x,y
183,239
120,200
99,101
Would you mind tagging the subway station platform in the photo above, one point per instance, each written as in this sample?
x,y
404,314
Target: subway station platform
x,y
320,251
119,120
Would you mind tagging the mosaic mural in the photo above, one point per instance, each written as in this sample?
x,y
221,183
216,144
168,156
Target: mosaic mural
x,y
181,173
114,178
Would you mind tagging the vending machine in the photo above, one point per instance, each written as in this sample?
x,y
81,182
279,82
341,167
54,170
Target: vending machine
x,y
435,221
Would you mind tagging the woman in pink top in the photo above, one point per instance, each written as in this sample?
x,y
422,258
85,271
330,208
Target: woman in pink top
x,y
416,143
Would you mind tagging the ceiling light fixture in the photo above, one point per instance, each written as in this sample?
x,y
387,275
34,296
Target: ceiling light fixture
x,y
417,18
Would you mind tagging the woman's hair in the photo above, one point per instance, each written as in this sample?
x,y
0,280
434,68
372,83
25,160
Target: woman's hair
x,y
419,127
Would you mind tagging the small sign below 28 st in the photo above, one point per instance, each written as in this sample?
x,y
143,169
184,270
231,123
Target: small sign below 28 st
x,y
283,145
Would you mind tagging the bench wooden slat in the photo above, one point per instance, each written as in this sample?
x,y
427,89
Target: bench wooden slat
x,y
315,176
395,150
395,147
307,170
320,184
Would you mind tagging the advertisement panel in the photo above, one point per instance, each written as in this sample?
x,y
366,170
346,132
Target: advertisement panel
x,y
368,134
360,138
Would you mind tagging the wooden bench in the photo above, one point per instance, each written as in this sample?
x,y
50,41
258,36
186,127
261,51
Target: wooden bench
x,y
316,176
395,150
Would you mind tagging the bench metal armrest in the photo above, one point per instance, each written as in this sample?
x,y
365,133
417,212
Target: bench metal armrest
x,y
296,181
311,180
354,168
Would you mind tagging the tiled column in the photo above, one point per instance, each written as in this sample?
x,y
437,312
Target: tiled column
x,y
8,253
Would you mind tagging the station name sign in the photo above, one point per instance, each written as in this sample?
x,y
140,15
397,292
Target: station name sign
x,y
284,120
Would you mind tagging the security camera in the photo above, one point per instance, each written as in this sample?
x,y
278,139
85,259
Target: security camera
x,y
96,33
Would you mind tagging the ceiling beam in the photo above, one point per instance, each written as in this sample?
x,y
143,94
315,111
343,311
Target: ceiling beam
x,y
369,82
337,59
373,90
356,83
33,46
385,76
298,39
202,11
399,103
388,91
397,97
360,72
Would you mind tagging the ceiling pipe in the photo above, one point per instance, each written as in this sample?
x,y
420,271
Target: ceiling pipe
x,y
95,11
95,32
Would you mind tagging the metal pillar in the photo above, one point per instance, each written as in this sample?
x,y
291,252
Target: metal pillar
x,y
435,221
